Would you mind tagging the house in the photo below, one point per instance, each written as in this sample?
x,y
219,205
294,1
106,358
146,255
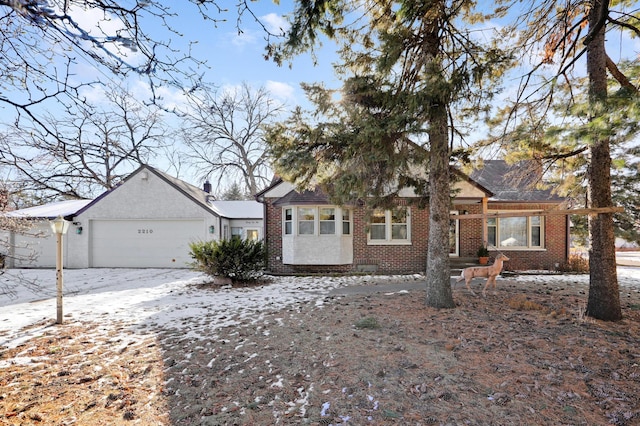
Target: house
x,y
305,233
147,221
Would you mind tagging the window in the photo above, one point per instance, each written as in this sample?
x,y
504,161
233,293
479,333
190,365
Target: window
x,y
515,232
252,234
346,222
236,232
399,224
378,226
288,221
306,220
316,220
327,221
389,226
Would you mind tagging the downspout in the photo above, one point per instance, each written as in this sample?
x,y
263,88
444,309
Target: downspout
x,y
567,248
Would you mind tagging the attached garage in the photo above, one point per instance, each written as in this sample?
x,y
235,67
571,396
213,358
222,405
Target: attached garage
x,y
148,221
144,243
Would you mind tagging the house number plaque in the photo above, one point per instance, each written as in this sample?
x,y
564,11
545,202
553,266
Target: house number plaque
x,y
145,231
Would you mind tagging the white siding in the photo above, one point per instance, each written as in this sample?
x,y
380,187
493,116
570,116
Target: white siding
x,y
34,249
317,250
145,201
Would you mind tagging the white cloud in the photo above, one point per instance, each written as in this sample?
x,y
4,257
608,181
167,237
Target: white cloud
x,y
282,91
274,23
243,39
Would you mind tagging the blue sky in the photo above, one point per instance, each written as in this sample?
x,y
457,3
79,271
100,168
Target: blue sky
x,y
234,58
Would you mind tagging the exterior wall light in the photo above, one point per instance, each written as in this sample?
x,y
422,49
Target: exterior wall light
x,y
212,229
59,226
79,230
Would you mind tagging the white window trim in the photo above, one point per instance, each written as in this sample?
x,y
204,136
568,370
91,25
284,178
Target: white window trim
x,y
338,221
388,241
527,216
285,221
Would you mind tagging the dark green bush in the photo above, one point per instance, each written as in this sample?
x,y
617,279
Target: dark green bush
x,y
240,260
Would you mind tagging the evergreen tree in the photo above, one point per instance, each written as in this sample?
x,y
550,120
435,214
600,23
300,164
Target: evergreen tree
x,y
587,121
407,69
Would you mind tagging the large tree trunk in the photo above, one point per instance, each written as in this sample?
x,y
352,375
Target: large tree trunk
x,y
604,296
438,274
439,293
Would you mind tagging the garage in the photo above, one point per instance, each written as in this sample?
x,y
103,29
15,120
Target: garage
x,y
145,243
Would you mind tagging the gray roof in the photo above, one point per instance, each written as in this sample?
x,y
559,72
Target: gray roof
x,y
303,198
514,182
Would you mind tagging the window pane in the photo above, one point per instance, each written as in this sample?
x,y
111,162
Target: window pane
x,y
346,228
305,228
252,234
288,214
327,221
535,220
306,213
346,215
288,228
399,232
378,232
399,216
535,237
378,217
327,214
236,231
327,228
513,231
491,235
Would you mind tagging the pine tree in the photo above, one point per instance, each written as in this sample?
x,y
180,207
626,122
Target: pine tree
x,y
407,69
573,118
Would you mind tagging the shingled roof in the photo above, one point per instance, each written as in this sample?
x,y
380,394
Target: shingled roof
x,y
514,182
303,198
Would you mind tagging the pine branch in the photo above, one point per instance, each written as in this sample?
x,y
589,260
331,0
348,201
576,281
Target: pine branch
x,y
618,75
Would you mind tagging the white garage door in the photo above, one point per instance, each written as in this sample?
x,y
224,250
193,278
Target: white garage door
x,y
143,243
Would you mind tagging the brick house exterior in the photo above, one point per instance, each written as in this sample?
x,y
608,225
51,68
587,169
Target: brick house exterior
x,y
304,233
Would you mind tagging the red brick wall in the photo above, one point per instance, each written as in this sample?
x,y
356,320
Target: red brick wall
x,y
393,259
396,259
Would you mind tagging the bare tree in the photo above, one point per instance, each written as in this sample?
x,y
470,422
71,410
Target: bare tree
x,y
225,134
44,44
88,151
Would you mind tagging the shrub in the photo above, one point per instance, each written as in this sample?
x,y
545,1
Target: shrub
x,y
237,259
368,322
576,264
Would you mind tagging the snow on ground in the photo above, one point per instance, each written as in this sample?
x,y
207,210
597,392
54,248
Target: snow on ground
x,y
149,297
171,299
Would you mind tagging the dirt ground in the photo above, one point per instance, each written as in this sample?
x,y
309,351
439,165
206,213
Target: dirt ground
x,y
525,356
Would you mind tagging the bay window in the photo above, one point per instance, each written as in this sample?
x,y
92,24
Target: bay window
x,y
316,220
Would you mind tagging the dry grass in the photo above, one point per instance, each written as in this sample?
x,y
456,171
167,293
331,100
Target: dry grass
x,y
521,357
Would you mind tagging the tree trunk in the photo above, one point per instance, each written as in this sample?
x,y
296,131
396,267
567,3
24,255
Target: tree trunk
x,y
604,296
438,274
